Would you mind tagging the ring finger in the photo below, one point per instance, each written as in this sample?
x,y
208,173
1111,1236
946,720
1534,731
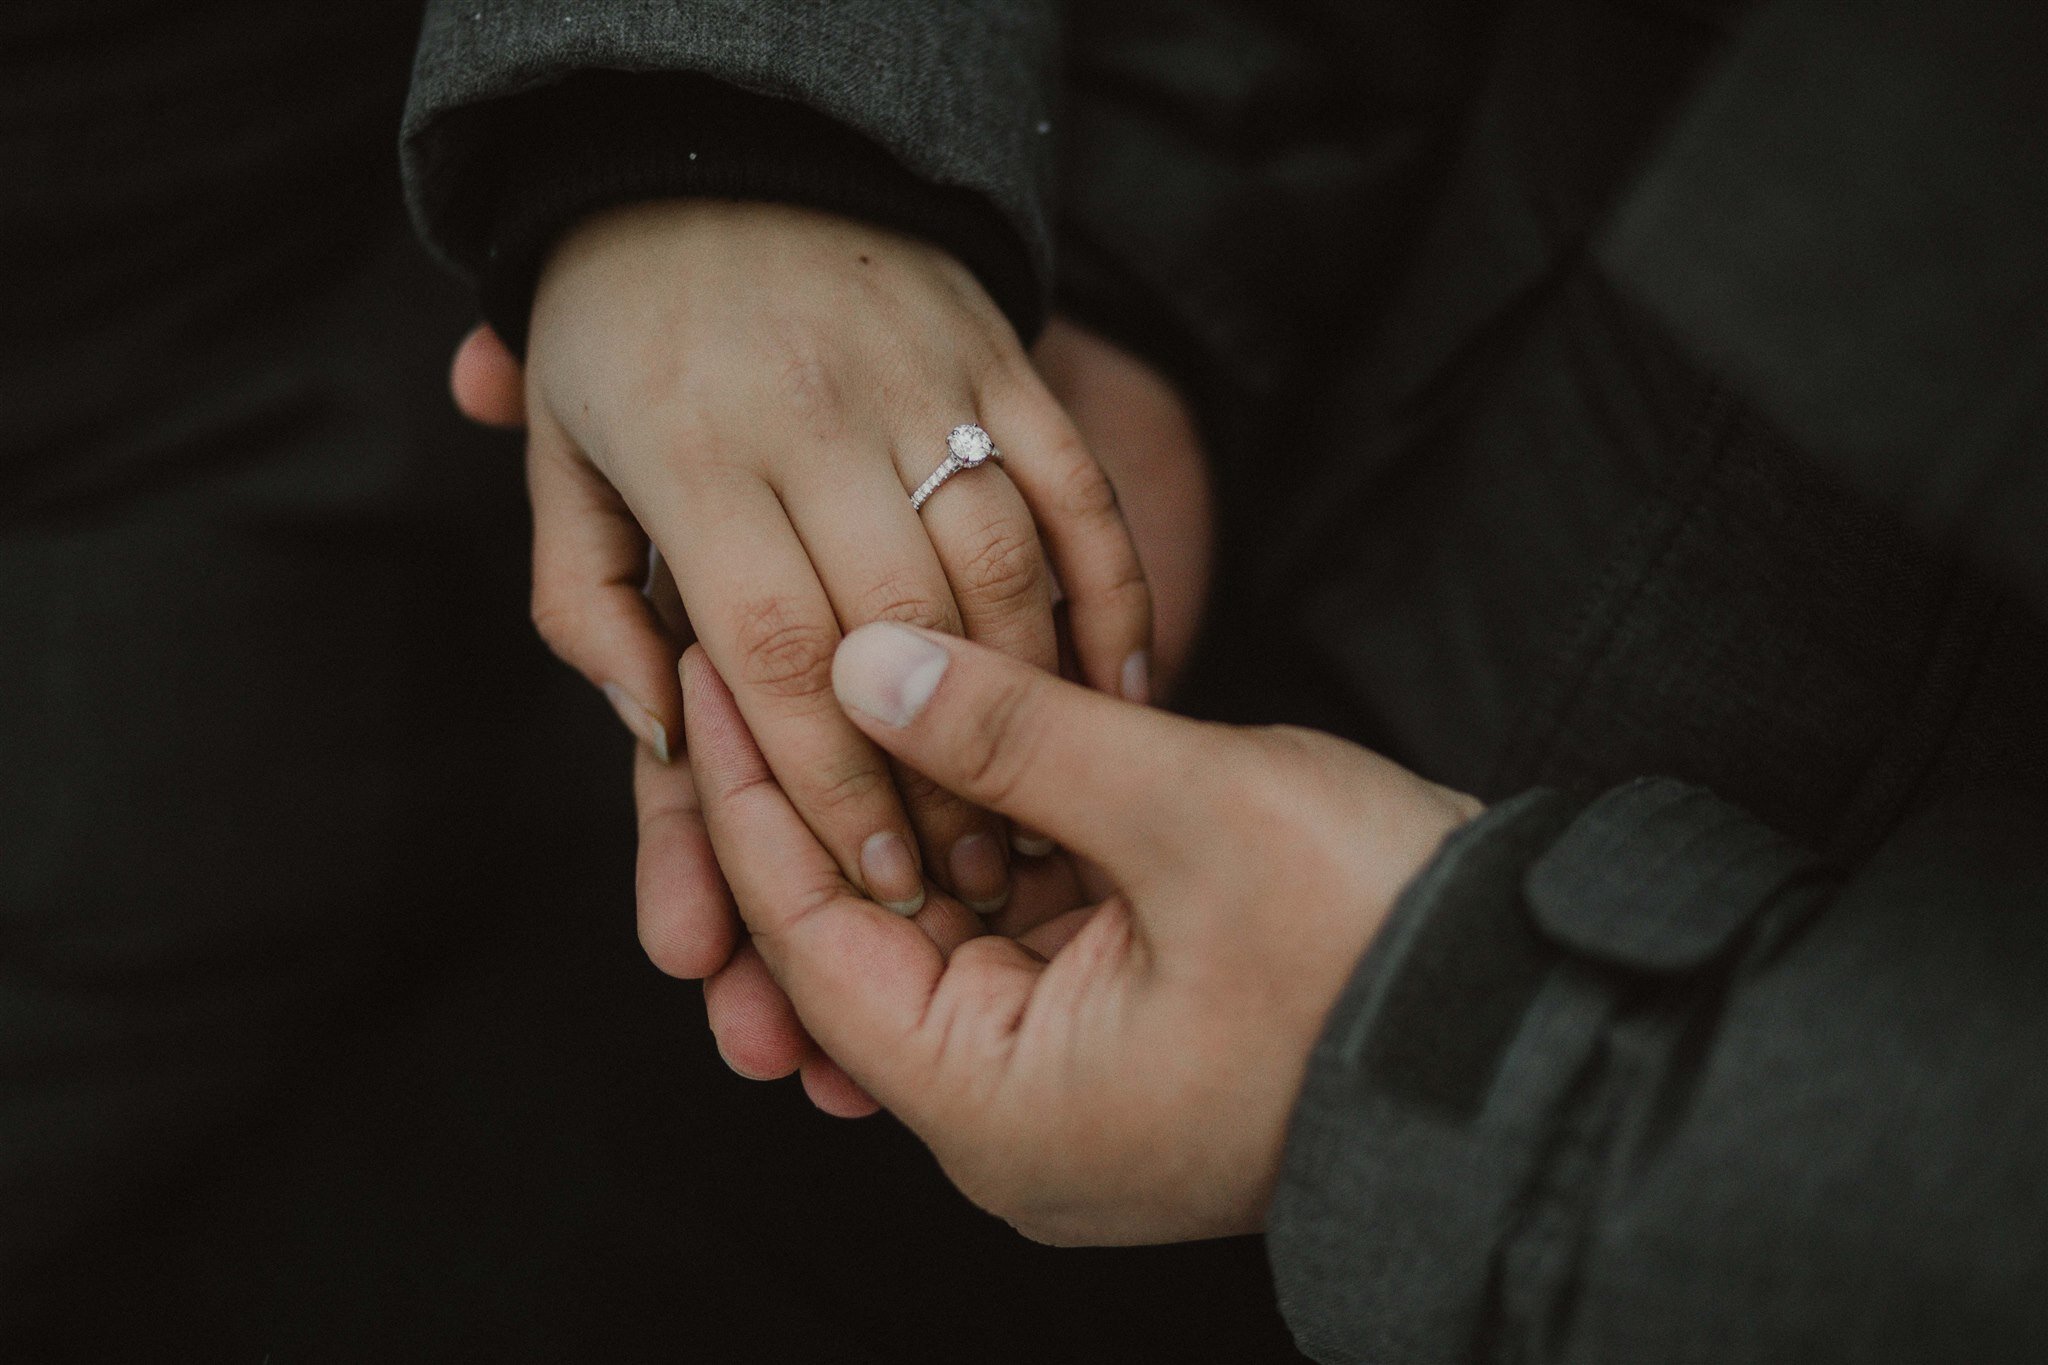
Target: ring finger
x,y
994,560
988,544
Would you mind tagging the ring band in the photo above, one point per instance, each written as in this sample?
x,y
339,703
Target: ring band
x,y
967,445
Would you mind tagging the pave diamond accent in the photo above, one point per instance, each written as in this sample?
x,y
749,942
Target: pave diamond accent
x,y
970,445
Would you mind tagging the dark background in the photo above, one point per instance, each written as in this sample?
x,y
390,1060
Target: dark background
x,y
323,1030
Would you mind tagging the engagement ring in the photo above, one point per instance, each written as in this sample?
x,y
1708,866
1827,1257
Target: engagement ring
x,y
967,445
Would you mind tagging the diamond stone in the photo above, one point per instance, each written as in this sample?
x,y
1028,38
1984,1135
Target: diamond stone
x,y
969,444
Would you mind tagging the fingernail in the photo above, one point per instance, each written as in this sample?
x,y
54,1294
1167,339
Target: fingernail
x,y
1030,842
887,671
639,720
891,873
1137,678
981,874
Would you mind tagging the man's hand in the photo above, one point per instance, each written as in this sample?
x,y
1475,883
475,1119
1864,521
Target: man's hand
x,y
1123,1072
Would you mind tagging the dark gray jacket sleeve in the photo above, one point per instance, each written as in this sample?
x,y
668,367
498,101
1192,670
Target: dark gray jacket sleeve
x,y
1230,206
1640,1079
1644,1081
958,93
1848,224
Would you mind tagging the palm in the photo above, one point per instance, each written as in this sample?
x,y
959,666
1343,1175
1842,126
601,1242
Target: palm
x,y
1052,898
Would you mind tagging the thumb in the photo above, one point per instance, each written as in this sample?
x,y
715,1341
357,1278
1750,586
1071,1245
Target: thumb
x,y
1104,777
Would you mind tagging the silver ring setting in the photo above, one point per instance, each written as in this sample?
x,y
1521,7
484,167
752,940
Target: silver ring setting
x,y
967,446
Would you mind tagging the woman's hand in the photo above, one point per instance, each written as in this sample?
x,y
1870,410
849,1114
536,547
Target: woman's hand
x,y
1123,1072
759,387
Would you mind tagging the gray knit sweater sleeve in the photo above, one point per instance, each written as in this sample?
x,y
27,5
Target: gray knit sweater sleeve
x,y
959,92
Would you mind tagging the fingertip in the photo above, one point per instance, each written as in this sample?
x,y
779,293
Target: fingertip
x,y
890,873
639,718
749,1066
485,381
686,921
695,673
887,672
1134,680
706,700
1029,843
684,912
834,1092
755,1027
979,865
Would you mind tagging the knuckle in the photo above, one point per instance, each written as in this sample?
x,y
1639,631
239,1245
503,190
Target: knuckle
x,y
696,450
848,783
1000,743
771,926
922,793
782,652
1126,585
969,295
1084,493
1272,772
899,599
1007,567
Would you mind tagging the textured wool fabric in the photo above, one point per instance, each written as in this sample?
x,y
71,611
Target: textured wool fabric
x,y
1241,182
1387,1136
551,157
1879,291
959,93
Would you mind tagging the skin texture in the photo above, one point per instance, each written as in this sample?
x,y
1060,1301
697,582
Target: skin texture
x,y
1121,1072
1148,445
756,388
